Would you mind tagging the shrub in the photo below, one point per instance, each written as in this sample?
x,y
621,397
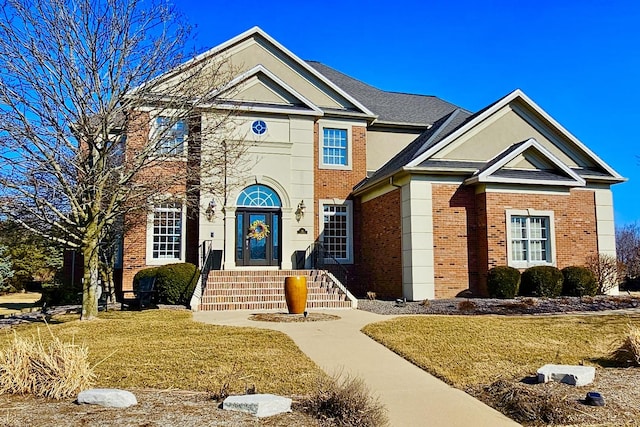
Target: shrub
x,y
56,371
629,352
345,401
60,294
467,306
175,283
578,282
541,281
503,282
607,271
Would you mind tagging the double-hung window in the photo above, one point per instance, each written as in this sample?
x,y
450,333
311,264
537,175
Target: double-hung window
x,y
336,231
167,231
170,136
530,239
335,148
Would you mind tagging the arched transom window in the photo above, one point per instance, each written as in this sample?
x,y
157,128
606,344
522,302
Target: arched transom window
x,y
259,196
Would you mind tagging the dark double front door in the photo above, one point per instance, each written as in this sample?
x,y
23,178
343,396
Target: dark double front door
x,y
257,237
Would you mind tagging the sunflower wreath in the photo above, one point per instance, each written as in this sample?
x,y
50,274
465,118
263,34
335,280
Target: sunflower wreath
x,y
258,230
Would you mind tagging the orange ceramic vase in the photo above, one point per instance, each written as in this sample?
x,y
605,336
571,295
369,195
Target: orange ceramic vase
x,y
295,292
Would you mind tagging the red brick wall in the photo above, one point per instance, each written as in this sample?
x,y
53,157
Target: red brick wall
x,y
380,264
574,221
176,173
338,184
333,183
454,239
470,232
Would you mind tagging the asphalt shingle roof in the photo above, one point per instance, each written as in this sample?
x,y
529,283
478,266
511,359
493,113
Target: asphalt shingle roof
x,y
394,107
430,137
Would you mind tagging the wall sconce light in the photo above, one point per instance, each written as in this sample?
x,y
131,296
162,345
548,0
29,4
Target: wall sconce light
x,y
211,210
300,210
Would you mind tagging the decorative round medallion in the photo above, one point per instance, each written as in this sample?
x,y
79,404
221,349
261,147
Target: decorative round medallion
x,y
259,127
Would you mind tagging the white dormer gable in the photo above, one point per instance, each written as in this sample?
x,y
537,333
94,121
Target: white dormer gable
x,y
527,162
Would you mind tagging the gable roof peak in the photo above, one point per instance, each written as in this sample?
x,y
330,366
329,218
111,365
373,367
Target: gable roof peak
x,y
491,171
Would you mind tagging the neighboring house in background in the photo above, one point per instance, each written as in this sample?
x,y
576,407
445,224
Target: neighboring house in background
x,y
413,196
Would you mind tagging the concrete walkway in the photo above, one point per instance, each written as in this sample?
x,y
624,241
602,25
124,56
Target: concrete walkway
x,y
412,396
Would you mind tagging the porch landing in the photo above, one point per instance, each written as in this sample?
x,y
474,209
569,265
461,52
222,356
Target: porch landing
x,y
264,290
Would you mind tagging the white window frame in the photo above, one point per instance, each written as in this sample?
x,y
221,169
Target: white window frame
x,y
349,205
157,139
551,238
150,260
326,124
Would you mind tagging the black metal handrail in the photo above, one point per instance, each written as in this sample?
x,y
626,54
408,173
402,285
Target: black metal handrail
x,y
322,259
206,262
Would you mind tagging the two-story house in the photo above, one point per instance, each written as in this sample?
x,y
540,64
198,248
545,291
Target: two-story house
x,y
409,195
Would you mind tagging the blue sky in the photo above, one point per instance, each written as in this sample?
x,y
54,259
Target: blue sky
x,y
578,60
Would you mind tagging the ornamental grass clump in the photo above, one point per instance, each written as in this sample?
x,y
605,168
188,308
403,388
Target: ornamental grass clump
x,y
629,352
345,400
55,370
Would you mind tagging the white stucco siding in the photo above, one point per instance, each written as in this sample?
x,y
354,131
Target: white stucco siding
x,y
418,274
282,159
605,225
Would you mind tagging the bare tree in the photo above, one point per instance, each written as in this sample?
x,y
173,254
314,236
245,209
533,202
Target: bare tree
x,y
628,249
607,271
91,95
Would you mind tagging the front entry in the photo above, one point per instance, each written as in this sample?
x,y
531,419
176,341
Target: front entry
x,y
258,227
257,237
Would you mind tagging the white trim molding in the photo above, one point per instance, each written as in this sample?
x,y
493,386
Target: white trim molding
x,y
150,260
341,125
349,212
551,238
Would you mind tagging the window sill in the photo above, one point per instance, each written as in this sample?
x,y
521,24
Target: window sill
x,y
525,264
336,167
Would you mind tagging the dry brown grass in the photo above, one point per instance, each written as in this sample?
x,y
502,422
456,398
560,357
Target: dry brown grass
x,y
526,404
466,351
16,302
166,349
345,400
55,370
629,352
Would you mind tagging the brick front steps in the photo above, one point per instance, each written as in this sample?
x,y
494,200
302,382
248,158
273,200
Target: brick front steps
x,y
264,289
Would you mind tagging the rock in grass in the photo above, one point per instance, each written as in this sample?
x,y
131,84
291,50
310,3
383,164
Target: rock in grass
x,y
568,374
109,397
259,405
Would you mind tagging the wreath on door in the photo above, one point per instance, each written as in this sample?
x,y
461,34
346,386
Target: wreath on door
x,y
258,230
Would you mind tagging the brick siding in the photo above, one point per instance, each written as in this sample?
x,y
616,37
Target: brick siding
x,y
380,264
135,238
338,184
470,232
574,221
455,240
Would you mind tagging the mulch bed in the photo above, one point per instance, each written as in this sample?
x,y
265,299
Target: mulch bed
x,y
292,318
516,306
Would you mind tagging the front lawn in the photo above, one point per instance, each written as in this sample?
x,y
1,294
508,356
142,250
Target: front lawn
x,y
166,349
471,350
